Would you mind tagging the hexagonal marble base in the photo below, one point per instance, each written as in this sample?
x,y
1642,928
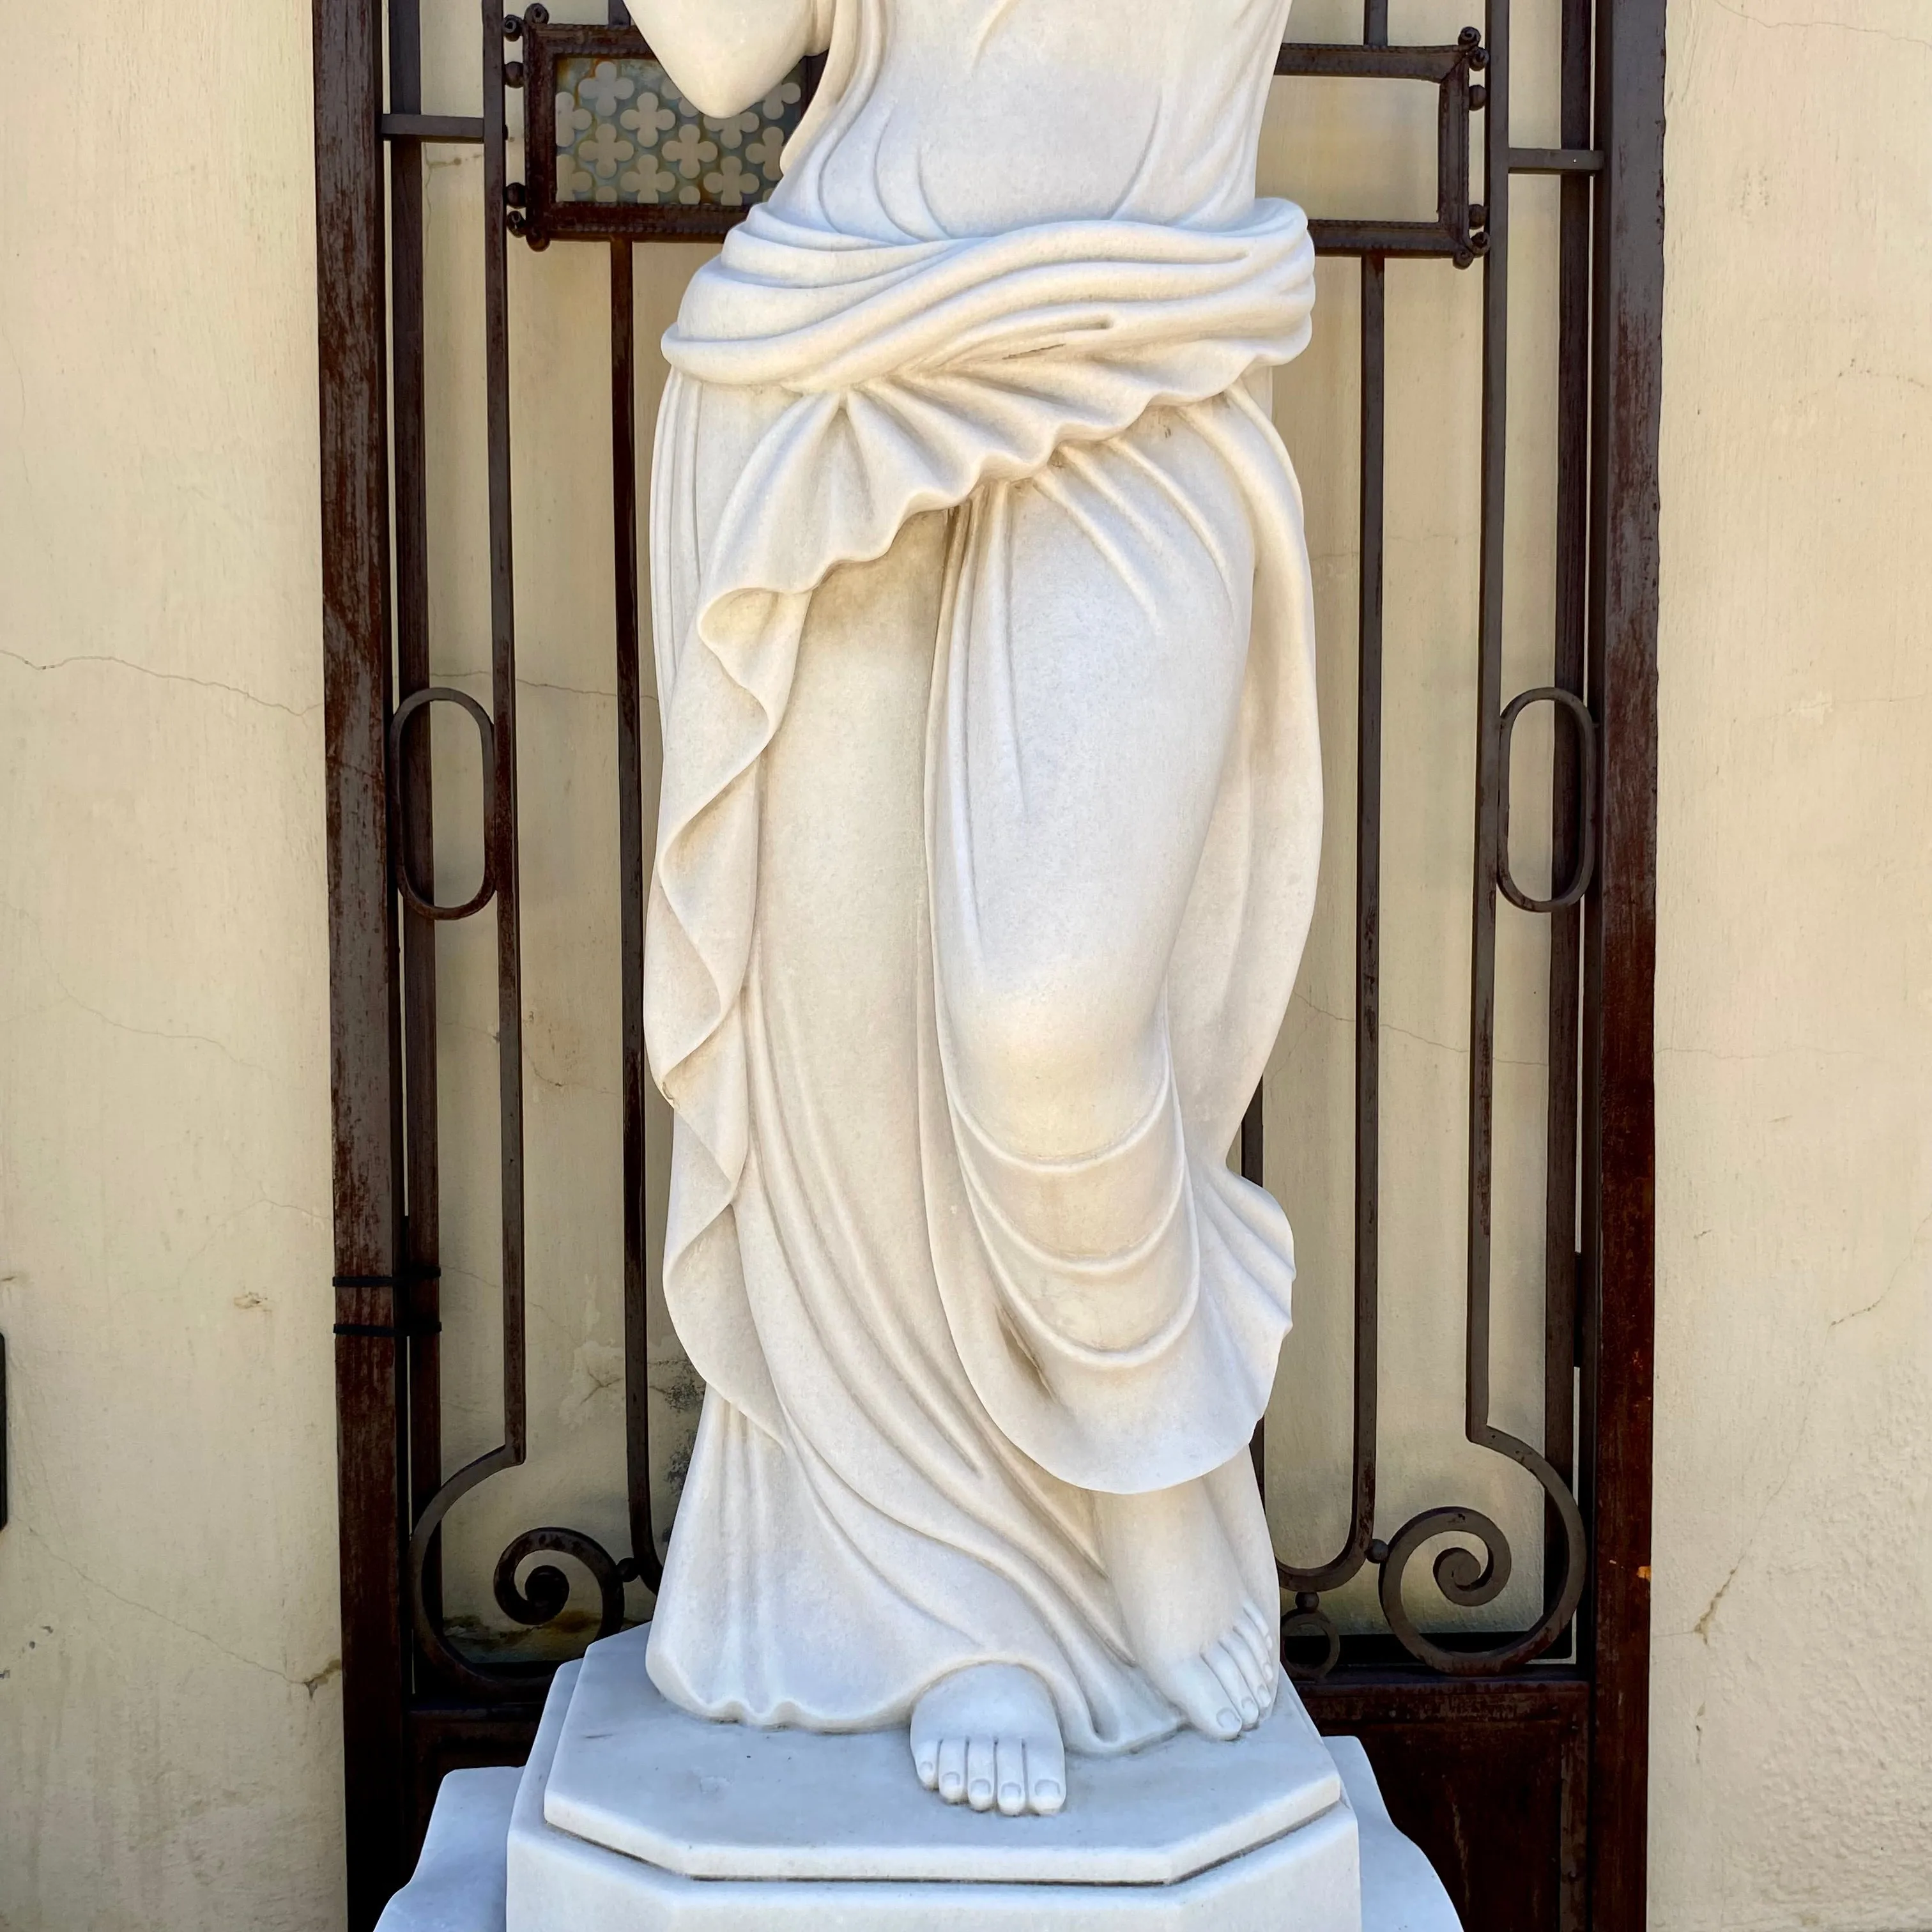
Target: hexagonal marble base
x,y
635,1774
494,1861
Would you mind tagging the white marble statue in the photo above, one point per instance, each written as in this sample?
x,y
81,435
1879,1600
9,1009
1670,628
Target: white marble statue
x,y
990,819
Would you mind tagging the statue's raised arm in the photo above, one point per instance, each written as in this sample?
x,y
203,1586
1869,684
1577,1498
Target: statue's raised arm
x,y
724,54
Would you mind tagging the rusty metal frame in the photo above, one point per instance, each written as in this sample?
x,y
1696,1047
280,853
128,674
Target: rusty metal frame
x,y
1458,230
415,1705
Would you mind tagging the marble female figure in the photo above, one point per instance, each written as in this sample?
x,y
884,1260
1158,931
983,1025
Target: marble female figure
x,y
987,849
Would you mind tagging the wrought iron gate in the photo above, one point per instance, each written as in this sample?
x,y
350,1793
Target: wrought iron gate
x,y
1518,1760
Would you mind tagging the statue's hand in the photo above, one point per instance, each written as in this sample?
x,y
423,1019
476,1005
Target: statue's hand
x,y
724,54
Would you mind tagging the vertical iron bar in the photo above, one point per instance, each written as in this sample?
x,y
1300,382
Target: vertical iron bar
x,y
421,1225
1453,197
1369,897
1488,706
1252,1143
503,663
364,1072
1620,948
1566,926
630,863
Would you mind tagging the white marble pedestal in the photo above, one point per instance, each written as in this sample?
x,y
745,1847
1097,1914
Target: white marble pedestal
x,y
631,1817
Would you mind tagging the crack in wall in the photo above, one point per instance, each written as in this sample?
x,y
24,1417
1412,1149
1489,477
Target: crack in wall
x,y
163,676
311,1683
1751,19
1701,1628
1384,1025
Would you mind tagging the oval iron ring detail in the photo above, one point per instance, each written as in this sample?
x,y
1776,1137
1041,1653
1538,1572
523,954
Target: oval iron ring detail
x,y
1586,788
423,904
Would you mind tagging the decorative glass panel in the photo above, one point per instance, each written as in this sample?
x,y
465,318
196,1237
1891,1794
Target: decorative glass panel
x,y
625,134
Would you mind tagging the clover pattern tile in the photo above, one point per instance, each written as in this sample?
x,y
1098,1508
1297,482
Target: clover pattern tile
x,y
625,133
733,184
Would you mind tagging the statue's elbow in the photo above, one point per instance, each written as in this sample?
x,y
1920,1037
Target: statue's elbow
x,y
728,56
719,90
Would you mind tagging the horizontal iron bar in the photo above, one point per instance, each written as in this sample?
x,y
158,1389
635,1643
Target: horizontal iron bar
x,y
1556,160
1321,61
628,221
1553,1693
1383,238
431,127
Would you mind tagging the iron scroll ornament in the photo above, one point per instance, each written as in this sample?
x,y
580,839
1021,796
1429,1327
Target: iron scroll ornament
x,y
1465,1580
541,1597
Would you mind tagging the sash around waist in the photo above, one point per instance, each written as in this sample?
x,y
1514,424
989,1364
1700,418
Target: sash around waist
x,y
809,310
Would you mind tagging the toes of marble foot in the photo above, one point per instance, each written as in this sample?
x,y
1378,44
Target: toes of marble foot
x,y
1237,1684
979,1773
1197,1689
1009,1775
987,1736
951,1763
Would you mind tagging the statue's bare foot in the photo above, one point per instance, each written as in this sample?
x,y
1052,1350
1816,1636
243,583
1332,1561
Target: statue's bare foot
x,y
989,1736
1192,1586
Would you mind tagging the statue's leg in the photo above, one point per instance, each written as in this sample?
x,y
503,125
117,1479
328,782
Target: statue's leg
x,y
855,1555
841,907
1095,671
1100,642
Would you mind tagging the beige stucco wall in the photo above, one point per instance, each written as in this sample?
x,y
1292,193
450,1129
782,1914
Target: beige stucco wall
x,y
170,1723
1792,1688
169,1718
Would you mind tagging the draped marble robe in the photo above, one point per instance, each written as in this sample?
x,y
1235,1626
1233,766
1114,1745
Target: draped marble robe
x,y
987,847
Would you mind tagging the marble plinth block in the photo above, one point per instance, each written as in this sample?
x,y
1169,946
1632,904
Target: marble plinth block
x,y
632,1817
